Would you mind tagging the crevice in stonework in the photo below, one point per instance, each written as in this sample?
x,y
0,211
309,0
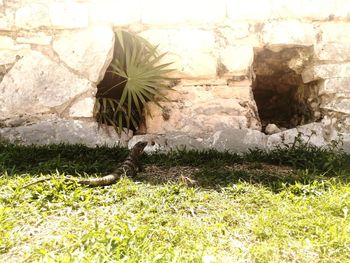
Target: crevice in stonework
x,y
280,94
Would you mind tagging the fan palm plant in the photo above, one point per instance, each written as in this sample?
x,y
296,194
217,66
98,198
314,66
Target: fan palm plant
x,y
139,78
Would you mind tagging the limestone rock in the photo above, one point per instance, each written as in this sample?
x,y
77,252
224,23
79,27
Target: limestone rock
x,y
48,86
255,10
37,39
89,52
337,104
32,15
337,32
7,19
237,60
83,108
104,11
197,110
10,51
64,131
190,50
326,71
160,12
334,85
291,32
302,9
310,133
69,14
238,140
335,52
272,128
232,140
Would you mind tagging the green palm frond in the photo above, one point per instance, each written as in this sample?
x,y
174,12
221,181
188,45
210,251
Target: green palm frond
x,y
137,62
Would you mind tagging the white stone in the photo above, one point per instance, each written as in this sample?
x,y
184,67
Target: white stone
x,y
198,110
230,33
251,10
51,131
336,52
238,140
37,39
160,12
89,52
83,108
290,32
10,51
7,19
272,128
69,15
337,104
334,85
104,11
310,133
190,50
48,87
237,59
10,56
338,32
302,9
326,71
32,15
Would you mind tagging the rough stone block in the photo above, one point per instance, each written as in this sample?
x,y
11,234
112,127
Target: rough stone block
x,y
254,10
48,87
115,12
291,32
9,50
237,60
302,9
7,19
32,15
230,33
199,110
334,52
334,85
83,108
89,52
65,131
326,71
160,12
37,39
311,133
69,15
337,104
238,140
190,50
335,32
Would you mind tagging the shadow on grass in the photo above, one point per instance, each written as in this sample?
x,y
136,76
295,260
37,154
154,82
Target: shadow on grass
x,y
208,169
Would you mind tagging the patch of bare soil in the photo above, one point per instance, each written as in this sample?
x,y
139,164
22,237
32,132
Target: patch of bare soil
x,y
189,175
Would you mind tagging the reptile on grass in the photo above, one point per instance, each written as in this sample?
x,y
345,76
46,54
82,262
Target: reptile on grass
x,y
128,168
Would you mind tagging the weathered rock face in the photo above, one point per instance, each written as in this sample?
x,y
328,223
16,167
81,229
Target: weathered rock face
x,y
57,130
203,109
48,88
89,52
260,65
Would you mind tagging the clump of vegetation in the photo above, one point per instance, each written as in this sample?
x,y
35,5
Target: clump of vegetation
x,y
138,77
257,207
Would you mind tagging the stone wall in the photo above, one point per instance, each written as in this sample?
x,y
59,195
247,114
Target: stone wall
x,y
250,72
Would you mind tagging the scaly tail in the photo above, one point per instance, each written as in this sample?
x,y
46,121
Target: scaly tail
x,y
102,181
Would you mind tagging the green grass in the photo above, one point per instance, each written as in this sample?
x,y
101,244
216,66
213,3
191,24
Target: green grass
x,y
288,205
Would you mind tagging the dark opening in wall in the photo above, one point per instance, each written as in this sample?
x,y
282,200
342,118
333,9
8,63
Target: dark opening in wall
x,y
279,92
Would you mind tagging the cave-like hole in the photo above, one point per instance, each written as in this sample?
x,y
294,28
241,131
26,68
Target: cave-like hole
x,y
281,96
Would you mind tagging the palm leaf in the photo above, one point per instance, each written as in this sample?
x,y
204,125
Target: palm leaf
x,y
137,62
